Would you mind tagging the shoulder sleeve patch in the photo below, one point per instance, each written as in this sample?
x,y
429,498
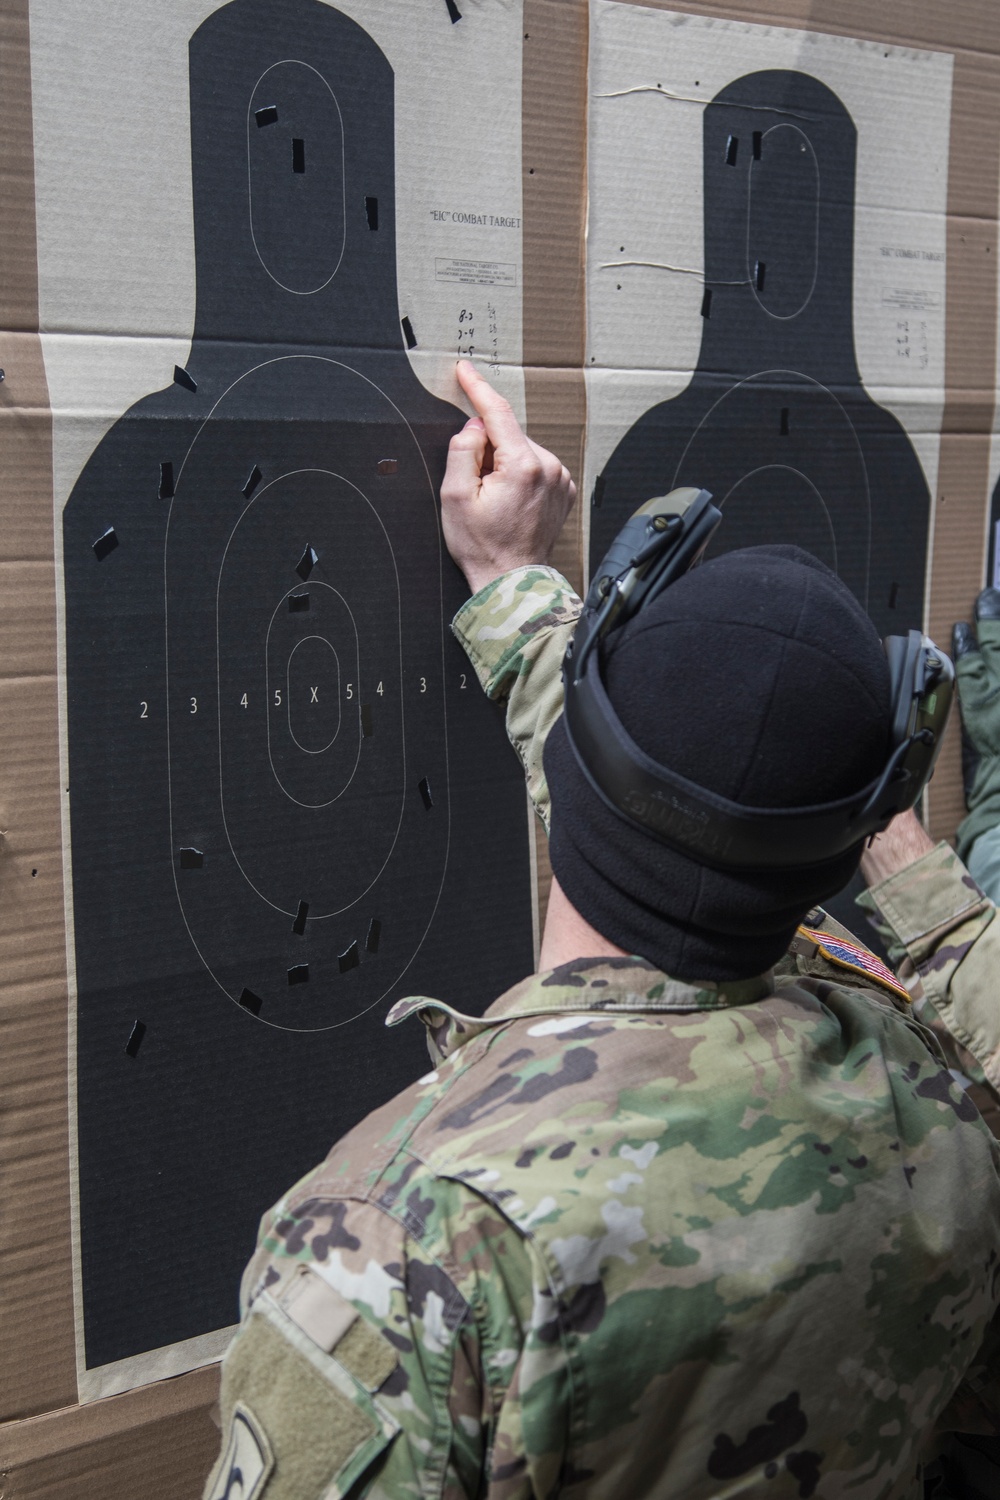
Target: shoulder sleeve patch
x,y
314,1425
246,1462
844,953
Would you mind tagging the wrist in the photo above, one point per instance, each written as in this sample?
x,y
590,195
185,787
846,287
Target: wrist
x,y
902,844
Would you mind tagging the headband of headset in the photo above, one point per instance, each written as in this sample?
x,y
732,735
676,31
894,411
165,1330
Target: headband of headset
x,y
653,549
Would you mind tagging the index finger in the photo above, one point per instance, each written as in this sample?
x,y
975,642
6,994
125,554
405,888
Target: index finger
x,y
502,427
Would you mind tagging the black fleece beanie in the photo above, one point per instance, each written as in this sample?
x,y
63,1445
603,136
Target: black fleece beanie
x,y
760,677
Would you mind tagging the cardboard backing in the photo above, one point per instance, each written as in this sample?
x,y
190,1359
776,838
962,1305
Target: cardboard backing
x,y
160,1437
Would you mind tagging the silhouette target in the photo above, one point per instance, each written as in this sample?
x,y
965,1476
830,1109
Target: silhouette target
x,y
290,802
775,421
992,577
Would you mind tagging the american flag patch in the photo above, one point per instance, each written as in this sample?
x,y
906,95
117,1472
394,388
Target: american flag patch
x,y
848,955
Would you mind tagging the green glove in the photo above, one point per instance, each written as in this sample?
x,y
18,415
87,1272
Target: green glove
x,y
977,667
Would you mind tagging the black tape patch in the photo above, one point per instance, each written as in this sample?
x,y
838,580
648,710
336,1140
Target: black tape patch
x,y
192,859
453,11
386,466
298,155
366,720
253,480
166,491
732,150
105,544
783,426
181,377
135,1039
425,792
706,303
266,116
371,212
298,603
374,934
251,1002
299,925
598,492
350,958
408,334
298,974
306,563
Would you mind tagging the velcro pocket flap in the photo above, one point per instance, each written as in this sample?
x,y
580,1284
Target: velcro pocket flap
x,y
317,1422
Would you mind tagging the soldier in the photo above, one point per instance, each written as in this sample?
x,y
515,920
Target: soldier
x,y
713,1220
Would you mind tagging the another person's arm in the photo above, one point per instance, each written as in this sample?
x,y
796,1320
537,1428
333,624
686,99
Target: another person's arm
x,y
940,931
977,667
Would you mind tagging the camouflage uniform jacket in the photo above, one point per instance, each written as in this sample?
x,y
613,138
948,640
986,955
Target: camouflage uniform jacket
x,y
631,1238
635,1238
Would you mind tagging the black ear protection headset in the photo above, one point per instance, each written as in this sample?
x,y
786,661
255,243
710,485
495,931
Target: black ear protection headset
x,y
654,548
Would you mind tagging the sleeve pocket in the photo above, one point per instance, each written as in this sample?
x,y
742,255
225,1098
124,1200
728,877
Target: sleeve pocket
x,y
298,1425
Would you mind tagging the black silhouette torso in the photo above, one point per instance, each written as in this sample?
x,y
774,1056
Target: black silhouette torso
x,y
290,802
775,421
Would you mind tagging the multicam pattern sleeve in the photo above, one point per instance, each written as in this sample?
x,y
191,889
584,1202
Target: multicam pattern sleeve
x,y
406,1294
521,623
941,934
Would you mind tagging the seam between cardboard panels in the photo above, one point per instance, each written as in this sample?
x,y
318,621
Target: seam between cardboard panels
x,y
728,15
36,1437
73,1142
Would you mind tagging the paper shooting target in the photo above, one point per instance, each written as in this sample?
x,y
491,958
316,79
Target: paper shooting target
x,y
290,801
775,420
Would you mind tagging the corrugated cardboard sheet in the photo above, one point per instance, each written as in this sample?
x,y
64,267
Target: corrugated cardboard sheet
x,y
493,115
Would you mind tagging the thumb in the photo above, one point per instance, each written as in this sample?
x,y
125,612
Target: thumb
x,y
963,641
463,471
988,627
